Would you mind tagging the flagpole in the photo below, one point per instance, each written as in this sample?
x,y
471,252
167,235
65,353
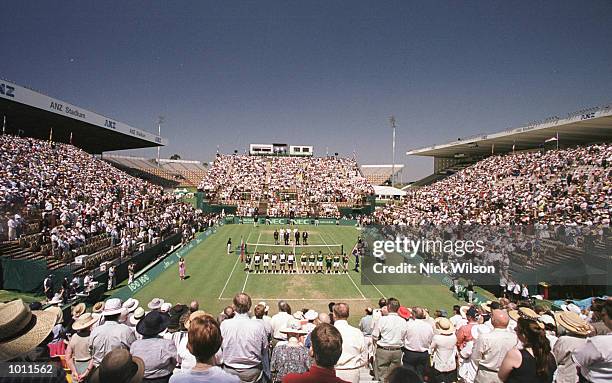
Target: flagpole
x,y
4,125
557,140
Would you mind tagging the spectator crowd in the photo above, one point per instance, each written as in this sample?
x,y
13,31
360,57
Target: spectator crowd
x,y
496,341
291,186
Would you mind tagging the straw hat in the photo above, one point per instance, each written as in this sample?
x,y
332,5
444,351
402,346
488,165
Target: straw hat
x,y
193,315
119,366
98,307
486,306
112,307
136,316
298,315
293,329
523,312
463,311
444,326
155,303
547,319
165,307
573,323
21,329
131,304
85,321
78,310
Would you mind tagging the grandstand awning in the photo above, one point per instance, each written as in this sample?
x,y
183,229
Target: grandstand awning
x,y
580,128
34,114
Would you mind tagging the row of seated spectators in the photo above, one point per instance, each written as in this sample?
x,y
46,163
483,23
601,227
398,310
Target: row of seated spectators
x,y
290,185
558,187
74,199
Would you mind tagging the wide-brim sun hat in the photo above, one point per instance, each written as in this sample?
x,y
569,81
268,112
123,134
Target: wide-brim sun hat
x,y
85,321
112,307
571,307
98,307
444,326
136,316
131,304
293,330
525,313
573,323
78,310
21,330
119,366
155,304
486,306
463,311
311,315
152,324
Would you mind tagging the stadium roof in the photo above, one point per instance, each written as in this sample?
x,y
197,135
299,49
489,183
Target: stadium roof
x,y
587,126
34,114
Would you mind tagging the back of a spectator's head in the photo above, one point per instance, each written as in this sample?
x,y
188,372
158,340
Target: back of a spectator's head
x,y
242,303
341,311
382,302
457,309
259,311
331,305
283,306
326,345
403,374
606,313
323,318
204,337
393,305
229,312
194,306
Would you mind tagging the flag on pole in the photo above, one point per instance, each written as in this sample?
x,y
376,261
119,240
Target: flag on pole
x,y
513,146
551,139
70,138
51,135
4,125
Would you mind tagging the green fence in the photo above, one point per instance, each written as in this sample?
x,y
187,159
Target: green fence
x,y
230,219
27,275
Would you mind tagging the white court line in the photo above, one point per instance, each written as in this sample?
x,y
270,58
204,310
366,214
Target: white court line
x,y
247,277
303,299
347,274
232,272
365,275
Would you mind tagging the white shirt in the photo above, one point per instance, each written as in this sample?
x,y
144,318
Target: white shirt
x,y
444,351
419,334
391,329
595,359
278,322
490,349
354,350
458,321
244,341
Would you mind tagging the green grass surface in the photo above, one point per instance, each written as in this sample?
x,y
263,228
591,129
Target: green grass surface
x,y
215,277
7,295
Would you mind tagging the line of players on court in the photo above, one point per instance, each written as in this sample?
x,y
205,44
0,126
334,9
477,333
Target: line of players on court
x,y
312,263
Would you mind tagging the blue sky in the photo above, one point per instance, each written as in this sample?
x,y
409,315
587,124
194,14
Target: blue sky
x,y
326,73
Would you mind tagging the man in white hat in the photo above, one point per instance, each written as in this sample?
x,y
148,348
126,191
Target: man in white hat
x,y
354,351
111,334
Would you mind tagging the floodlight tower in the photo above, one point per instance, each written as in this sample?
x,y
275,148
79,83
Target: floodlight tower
x,y
392,121
160,121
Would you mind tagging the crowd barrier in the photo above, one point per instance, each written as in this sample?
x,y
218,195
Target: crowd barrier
x,y
230,219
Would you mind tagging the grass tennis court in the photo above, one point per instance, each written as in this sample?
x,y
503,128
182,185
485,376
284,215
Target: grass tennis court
x,y
213,277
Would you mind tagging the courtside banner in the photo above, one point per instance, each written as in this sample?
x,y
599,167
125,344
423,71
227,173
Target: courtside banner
x,y
291,221
145,278
486,255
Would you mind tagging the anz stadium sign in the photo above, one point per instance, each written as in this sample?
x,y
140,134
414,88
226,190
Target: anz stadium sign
x,y
22,95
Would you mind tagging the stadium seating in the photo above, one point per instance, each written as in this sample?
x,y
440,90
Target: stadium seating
x,y
285,185
58,202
